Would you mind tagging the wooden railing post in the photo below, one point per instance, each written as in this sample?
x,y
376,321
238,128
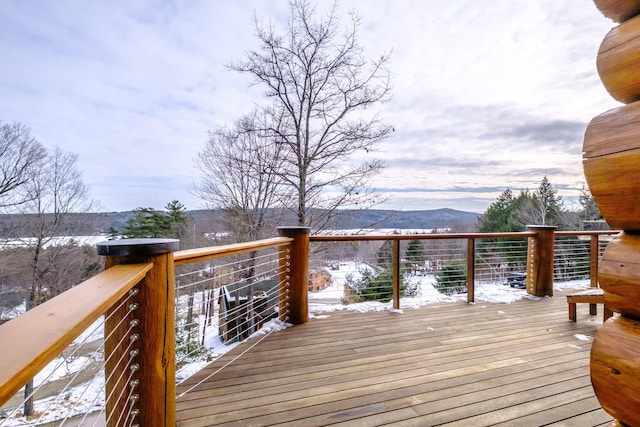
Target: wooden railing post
x,y
295,275
140,378
396,277
540,260
471,269
594,254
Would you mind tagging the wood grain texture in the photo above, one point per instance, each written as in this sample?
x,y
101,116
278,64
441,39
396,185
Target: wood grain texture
x,y
614,182
615,131
32,340
540,250
611,161
157,359
618,10
618,61
189,256
619,275
615,369
294,267
468,364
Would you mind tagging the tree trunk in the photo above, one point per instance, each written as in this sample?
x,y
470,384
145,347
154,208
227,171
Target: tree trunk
x,y
28,399
28,387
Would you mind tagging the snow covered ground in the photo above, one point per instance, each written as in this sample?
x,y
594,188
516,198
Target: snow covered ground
x,y
324,301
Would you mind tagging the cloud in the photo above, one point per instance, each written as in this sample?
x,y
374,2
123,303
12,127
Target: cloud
x,y
487,95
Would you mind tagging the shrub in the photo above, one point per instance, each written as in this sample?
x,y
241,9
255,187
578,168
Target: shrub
x,y
376,285
452,277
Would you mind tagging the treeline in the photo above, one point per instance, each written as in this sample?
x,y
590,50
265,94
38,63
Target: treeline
x,y
105,223
510,213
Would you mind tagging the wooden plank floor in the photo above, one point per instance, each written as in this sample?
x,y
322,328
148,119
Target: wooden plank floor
x,y
519,364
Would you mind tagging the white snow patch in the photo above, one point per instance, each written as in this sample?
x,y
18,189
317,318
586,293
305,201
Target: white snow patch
x,y
321,316
189,369
273,325
330,299
583,337
80,400
60,368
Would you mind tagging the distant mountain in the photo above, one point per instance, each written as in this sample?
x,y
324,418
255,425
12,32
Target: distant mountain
x,y
86,224
426,219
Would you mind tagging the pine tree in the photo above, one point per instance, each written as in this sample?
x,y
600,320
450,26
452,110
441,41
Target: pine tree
x,y
177,219
548,203
499,215
146,222
415,253
589,209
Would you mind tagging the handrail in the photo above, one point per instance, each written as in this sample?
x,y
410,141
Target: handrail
x,y
587,233
435,236
188,256
39,335
63,318
429,236
470,264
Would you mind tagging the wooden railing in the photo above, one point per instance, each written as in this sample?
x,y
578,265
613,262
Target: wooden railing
x,y
539,257
138,279
148,266
33,339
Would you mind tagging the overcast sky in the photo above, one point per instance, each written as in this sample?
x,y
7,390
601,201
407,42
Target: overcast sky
x,y
486,94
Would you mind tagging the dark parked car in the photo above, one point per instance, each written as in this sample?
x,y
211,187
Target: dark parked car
x,y
517,280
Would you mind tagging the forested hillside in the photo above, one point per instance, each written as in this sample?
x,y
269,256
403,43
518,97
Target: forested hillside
x,y
83,224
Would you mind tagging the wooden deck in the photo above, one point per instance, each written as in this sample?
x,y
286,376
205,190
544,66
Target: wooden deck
x,y
519,364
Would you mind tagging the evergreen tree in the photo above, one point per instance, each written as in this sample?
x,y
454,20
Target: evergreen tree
x,y
589,210
548,203
452,277
415,252
499,215
177,219
147,222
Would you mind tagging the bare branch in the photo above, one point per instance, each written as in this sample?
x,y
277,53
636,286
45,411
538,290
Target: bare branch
x,y
319,81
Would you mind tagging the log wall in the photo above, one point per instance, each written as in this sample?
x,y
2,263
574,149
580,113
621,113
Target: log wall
x,y
611,160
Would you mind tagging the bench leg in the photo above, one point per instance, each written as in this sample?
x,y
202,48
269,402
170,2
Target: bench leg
x,y
593,309
572,311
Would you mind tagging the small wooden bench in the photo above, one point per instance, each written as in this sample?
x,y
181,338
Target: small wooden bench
x,y
592,297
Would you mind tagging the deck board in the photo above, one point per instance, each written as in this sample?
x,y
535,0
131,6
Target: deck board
x,y
443,364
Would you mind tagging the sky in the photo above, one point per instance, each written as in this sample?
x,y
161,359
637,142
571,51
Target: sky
x,y
487,95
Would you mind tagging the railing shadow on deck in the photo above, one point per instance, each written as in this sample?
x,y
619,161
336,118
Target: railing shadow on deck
x,y
136,294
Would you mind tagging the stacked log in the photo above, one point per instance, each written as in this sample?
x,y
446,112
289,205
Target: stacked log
x,y
611,160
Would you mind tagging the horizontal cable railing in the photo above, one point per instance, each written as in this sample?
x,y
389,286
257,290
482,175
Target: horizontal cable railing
x,y
577,253
385,268
226,294
219,296
389,267
222,301
58,345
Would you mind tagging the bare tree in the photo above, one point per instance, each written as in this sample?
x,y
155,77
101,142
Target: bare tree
x,y
54,192
240,170
20,156
240,174
320,83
